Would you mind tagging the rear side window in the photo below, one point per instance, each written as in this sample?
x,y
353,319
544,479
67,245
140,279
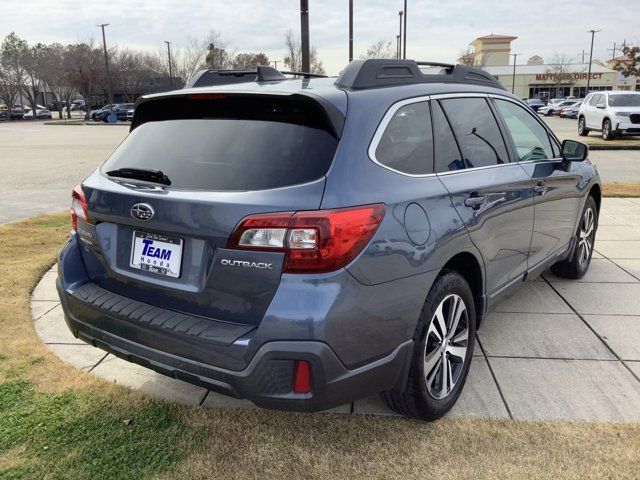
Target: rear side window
x,y
477,131
448,156
530,138
406,145
230,144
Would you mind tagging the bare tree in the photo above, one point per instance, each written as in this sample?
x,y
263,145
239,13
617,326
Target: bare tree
x,y
249,61
133,70
293,59
559,70
11,70
33,62
380,49
55,74
86,69
218,56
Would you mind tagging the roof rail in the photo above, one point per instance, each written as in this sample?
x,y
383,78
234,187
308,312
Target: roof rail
x,y
373,73
207,78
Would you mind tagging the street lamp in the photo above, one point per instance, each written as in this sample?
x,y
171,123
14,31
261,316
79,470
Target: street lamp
x,y
106,62
593,34
350,30
400,13
513,83
170,71
404,54
304,37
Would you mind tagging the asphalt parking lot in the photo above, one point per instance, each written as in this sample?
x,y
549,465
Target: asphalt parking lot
x,y
40,164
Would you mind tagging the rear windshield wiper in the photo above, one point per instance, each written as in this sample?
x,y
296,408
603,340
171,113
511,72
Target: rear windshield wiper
x,y
145,174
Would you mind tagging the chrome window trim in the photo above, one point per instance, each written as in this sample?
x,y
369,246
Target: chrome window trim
x,y
373,145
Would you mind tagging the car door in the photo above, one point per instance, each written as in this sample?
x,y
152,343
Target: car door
x,y
491,194
555,186
593,114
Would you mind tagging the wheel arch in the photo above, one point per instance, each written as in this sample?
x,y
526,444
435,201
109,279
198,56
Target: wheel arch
x,y
596,193
467,265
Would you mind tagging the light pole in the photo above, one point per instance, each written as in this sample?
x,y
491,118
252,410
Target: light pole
x,y
400,13
350,30
170,71
513,83
304,37
106,62
404,41
398,46
593,34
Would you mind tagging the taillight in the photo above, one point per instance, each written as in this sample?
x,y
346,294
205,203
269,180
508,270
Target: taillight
x,y
313,241
78,207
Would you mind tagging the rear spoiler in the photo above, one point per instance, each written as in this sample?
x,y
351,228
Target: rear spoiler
x,y
145,111
211,78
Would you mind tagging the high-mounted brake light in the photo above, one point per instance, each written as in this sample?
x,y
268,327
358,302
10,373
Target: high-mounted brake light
x,y
78,207
313,241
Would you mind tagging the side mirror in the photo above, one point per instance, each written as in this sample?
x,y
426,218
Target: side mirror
x,y
574,151
600,105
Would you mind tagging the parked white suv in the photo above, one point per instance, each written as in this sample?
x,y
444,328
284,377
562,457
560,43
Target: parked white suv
x,y
613,113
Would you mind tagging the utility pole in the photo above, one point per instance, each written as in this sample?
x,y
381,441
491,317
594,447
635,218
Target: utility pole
x,y
613,50
397,46
513,84
106,62
350,30
593,34
304,30
404,41
170,71
275,64
400,13
583,55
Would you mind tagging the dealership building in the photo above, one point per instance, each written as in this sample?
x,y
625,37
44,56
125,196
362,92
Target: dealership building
x,y
535,79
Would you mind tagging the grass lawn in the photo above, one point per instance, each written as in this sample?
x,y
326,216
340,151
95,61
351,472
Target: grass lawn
x,y
621,189
57,422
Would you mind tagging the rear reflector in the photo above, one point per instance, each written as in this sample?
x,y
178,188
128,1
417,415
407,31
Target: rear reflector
x,y
301,377
78,207
316,241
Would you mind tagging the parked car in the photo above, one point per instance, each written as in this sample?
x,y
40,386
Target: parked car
x,y
572,103
95,114
614,113
571,111
534,103
130,113
41,114
549,109
303,250
119,110
78,105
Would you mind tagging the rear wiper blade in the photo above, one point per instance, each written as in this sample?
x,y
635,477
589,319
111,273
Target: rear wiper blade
x,y
145,174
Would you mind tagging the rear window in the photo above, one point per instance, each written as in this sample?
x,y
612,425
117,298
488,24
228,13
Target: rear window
x,y
229,144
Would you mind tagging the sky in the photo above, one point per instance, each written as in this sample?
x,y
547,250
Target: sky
x,y
436,31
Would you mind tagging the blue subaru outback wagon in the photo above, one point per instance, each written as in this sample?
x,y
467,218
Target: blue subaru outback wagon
x,y
306,242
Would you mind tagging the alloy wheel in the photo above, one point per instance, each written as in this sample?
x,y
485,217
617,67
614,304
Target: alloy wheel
x,y
585,242
446,346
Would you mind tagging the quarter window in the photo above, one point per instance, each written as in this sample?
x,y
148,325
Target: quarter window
x,y
530,138
477,131
406,144
594,100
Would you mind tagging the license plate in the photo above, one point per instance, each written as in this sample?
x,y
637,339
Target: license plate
x,y
156,253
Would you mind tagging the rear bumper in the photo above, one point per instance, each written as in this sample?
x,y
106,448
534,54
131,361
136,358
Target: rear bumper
x,y
268,378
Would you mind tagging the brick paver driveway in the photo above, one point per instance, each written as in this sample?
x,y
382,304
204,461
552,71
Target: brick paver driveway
x,y
556,350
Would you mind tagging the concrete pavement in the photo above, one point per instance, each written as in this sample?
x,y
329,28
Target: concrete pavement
x,y
556,350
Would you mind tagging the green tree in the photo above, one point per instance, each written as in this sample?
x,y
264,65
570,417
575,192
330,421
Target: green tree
x,y
630,68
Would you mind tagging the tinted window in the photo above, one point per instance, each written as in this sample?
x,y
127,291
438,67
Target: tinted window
x,y
530,138
477,131
624,100
446,149
266,144
407,143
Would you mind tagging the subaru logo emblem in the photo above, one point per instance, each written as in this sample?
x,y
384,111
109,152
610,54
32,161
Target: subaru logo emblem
x,y
142,211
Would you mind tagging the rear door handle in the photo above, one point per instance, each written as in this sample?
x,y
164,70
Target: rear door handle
x,y
474,201
540,189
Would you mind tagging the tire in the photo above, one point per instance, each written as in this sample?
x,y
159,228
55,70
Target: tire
x,y
549,113
583,131
426,396
576,266
607,130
